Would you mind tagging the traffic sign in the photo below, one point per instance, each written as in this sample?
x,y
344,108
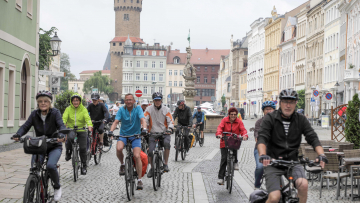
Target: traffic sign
x,y
244,103
169,95
316,93
95,90
275,102
312,101
328,96
138,93
225,105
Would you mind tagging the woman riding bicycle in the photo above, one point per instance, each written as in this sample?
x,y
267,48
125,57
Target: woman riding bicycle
x,y
234,125
46,120
77,115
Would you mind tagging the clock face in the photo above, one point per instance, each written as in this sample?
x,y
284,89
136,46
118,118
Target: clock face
x,y
55,80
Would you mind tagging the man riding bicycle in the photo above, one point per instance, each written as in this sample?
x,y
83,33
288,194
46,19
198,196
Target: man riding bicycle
x,y
132,118
102,100
199,120
77,115
183,113
98,112
280,137
159,120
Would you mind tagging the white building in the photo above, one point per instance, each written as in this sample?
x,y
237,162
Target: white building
x,y
223,83
255,69
144,68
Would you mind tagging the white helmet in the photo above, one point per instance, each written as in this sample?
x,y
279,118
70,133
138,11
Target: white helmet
x,y
144,102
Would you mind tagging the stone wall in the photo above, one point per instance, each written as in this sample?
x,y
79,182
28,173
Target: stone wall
x,y
212,122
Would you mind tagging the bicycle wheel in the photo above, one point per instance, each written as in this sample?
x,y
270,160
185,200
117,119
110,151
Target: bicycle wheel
x,y
177,147
75,163
160,168
48,188
183,150
155,169
32,190
133,178
230,175
128,178
196,138
98,153
201,141
107,148
88,157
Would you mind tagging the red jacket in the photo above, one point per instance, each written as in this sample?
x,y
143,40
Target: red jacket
x,y
236,127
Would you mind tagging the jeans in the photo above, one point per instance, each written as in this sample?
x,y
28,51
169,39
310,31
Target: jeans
x,y
259,169
54,156
82,140
223,162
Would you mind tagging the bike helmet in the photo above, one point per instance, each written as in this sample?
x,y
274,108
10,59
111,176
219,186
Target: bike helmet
x,y
180,102
157,95
75,96
44,93
289,94
268,104
198,108
95,96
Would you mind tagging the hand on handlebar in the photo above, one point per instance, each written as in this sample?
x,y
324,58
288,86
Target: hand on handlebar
x,y
264,159
322,159
90,128
16,137
219,136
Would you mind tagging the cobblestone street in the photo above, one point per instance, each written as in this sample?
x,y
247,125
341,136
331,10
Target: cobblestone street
x,y
192,180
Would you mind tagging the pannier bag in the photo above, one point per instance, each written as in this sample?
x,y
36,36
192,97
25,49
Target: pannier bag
x,y
232,143
258,196
144,162
35,145
193,140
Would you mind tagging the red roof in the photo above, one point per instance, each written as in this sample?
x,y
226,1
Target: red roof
x,y
94,71
133,39
207,56
173,53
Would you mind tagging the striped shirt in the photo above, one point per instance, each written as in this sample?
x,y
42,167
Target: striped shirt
x,y
286,126
158,120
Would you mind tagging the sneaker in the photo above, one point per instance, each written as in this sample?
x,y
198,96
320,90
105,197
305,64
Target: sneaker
x,y
220,182
256,188
150,173
122,170
166,168
57,195
139,185
67,156
83,170
236,166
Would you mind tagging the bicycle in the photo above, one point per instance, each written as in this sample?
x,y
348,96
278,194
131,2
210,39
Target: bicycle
x,y
229,174
180,142
131,175
144,144
75,153
37,187
158,163
95,148
197,135
107,140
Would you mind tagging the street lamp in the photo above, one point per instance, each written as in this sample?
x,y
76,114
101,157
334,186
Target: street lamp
x,y
55,44
336,89
154,83
312,95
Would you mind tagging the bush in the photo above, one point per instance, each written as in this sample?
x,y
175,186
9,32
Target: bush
x,y
352,123
63,100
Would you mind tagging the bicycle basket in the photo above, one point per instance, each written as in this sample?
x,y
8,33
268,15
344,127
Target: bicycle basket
x,y
106,140
232,143
35,145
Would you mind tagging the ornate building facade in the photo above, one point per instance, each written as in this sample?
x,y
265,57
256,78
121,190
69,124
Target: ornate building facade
x,y
239,51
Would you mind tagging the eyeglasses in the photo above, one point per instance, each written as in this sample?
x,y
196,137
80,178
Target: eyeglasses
x,y
128,100
43,102
289,101
233,114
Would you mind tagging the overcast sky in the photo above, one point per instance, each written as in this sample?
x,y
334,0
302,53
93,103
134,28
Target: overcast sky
x,y
87,27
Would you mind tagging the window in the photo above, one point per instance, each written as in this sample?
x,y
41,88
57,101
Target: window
x,y
114,44
175,83
131,64
153,78
29,8
197,79
246,53
23,93
127,89
153,64
161,53
161,90
2,91
180,83
18,4
128,76
138,64
205,68
176,60
145,76
146,53
137,87
161,64
170,83
212,80
181,72
205,79
152,90
212,69
198,69
145,64
154,53
170,72
120,44
145,90
228,87
137,76
175,72
126,17
161,77
138,53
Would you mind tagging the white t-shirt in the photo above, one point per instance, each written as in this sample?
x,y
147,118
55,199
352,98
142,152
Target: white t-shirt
x,y
115,109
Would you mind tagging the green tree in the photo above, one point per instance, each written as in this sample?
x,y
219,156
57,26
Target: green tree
x,y
45,54
102,82
65,67
301,102
352,122
223,102
62,100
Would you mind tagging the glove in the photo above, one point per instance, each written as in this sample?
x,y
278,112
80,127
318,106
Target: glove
x,y
144,131
171,130
61,136
15,136
111,133
264,157
323,158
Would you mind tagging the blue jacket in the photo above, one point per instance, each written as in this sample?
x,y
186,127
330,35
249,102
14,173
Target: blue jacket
x,y
107,109
199,116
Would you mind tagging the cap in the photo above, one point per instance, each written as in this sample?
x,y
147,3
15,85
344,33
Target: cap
x,y
102,98
144,102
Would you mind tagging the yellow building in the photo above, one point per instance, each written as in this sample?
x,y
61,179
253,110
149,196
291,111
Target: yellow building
x,y
272,54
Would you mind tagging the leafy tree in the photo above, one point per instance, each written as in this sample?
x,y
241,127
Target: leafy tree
x,y
301,102
65,67
99,81
45,58
223,101
62,100
352,122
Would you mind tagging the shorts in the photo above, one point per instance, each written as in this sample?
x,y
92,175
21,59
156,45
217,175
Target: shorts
x,y
165,144
134,142
273,176
99,127
201,127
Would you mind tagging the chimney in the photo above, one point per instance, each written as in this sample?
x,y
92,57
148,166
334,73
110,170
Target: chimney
x,y
207,49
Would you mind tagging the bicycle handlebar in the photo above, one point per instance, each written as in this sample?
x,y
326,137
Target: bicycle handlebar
x,y
136,136
100,121
48,140
231,134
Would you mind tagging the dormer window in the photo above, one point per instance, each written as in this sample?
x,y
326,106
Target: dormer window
x,y
146,53
161,53
138,53
154,53
176,60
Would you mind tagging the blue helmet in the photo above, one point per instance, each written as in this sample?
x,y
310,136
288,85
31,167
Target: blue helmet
x,y
268,104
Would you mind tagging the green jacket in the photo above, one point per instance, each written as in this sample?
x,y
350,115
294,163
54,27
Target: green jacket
x,y
76,116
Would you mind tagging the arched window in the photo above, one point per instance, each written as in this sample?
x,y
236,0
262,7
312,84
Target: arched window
x,y
23,93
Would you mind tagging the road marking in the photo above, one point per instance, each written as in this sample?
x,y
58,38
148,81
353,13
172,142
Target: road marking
x,y
190,167
212,154
200,194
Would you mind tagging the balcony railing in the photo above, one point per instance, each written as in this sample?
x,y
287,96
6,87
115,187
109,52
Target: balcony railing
x,y
351,74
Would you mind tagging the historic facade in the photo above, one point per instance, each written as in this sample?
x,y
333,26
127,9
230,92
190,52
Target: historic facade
x,y
239,51
175,82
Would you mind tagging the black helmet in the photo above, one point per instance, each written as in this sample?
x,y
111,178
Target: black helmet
x,y
180,102
95,96
289,94
44,93
75,96
198,108
157,95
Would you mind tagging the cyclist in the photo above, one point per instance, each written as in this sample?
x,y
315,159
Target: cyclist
x,y
77,115
234,125
267,107
46,120
199,120
98,112
159,120
132,118
144,104
183,113
280,136
115,110
102,100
